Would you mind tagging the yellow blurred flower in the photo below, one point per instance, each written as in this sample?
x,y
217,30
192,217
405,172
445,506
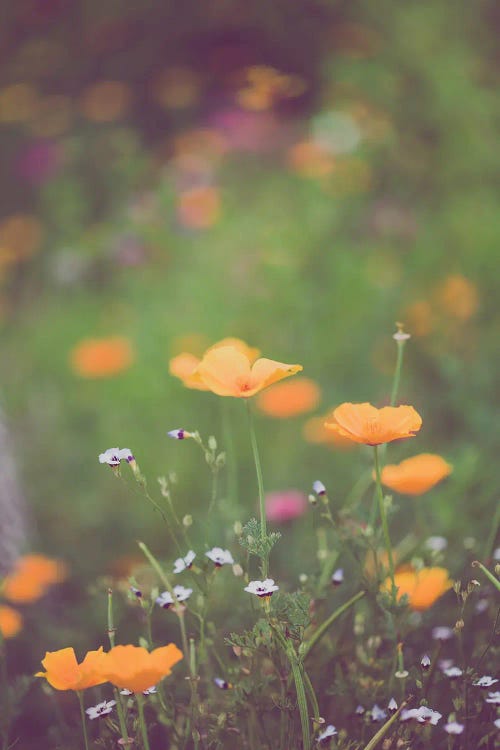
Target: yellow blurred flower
x,y
32,577
102,358
199,208
309,159
289,399
458,297
11,621
105,101
20,237
416,475
423,587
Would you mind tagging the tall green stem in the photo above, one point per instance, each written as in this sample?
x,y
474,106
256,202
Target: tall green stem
x,y
232,468
84,723
299,687
260,483
5,700
142,723
119,707
307,646
383,518
397,372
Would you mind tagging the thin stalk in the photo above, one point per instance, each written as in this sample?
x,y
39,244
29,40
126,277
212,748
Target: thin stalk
x,y
397,372
487,573
307,646
232,467
260,483
383,518
299,687
144,732
311,694
385,728
213,496
488,548
119,707
5,705
82,714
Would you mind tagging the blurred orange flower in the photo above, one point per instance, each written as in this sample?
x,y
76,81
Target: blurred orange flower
x,y
31,577
20,237
364,423
11,622
199,208
423,587
458,297
289,399
105,101
416,475
102,358
184,365
64,673
309,159
420,318
135,669
266,85
228,372
314,431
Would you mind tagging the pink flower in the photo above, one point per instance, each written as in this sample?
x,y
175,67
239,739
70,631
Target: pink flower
x,y
285,505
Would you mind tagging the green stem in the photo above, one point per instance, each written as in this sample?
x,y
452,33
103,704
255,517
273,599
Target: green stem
x,y
144,732
82,714
488,549
299,687
310,692
119,707
383,518
487,573
397,372
232,468
260,483
5,702
385,728
307,646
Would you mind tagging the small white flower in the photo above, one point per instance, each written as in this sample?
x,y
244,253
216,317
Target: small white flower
x,y
359,711
220,556
182,563
442,633
166,599
392,706
496,554
179,434
150,690
338,577
423,715
262,588
481,606
136,592
113,456
494,698
101,709
453,727
319,488
425,662
378,714
453,672
497,723
125,691
436,543
485,682
329,731
222,684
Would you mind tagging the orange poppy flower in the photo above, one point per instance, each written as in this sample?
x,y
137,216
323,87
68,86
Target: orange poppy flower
x,y
289,399
31,577
458,297
228,372
64,673
364,423
423,587
416,475
134,668
11,622
102,358
314,431
184,365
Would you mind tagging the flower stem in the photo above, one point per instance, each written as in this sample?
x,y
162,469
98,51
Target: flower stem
x,y
385,728
82,714
383,518
260,483
299,687
144,732
119,707
397,372
487,573
232,468
307,646
5,699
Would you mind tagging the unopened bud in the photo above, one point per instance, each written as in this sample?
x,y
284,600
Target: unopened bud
x,y
313,500
237,570
459,625
212,443
319,488
187,521
238,528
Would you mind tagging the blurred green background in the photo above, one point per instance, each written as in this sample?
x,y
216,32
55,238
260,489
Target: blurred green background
x,y
300,175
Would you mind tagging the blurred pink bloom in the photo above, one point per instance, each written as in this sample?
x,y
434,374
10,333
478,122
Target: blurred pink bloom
x,y
39,161
285,505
